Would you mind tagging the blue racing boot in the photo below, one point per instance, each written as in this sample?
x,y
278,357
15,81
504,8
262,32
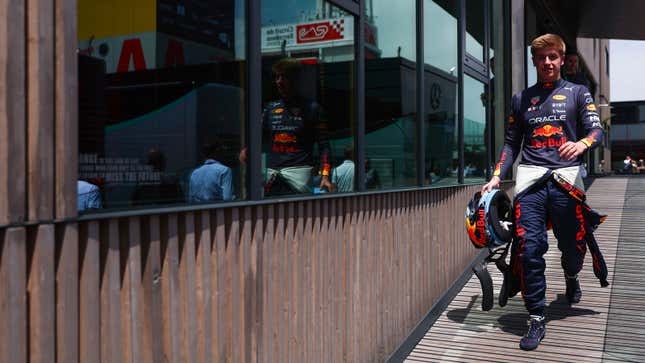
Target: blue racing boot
x,y
535,334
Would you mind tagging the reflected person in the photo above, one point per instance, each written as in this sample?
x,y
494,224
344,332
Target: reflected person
x,y
165,190
343,175
89,196
213,181
291,126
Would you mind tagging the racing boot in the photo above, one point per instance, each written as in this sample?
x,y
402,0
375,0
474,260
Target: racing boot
x,y
573,293
535,334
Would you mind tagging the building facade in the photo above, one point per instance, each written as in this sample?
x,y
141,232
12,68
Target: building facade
x,y
114,248
628,133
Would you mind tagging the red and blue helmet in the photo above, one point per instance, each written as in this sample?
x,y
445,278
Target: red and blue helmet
x,y
489,219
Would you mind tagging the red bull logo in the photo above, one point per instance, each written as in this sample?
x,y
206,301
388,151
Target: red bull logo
x,y
549,142
284,138
547,131
477,231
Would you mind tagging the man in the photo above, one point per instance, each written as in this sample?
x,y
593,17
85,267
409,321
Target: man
x,y
571,69
213,181
343,175
627,165
291,126
544,117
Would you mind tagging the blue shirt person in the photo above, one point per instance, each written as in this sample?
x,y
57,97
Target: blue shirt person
x,y
213,181
89,196
343,176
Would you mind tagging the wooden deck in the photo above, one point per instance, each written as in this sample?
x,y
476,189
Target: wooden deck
x,y
608,325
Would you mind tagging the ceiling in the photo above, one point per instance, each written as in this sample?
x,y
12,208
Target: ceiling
x,y
616,19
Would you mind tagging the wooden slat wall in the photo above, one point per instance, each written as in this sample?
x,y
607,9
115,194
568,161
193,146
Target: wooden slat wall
x,y
12,111
342,279
40,110
66,107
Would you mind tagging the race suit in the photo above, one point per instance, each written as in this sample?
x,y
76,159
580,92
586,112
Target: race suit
x,y
289,133
544,117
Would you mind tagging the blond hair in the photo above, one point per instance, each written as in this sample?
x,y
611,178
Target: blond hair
x,y
546,41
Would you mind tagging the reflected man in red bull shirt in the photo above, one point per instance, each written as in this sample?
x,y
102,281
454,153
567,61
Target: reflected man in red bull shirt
x,y
291,127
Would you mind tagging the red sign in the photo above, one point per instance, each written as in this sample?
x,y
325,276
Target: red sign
x,y
321,32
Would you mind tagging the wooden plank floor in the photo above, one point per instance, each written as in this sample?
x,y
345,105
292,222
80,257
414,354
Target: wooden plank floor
x,y
608,325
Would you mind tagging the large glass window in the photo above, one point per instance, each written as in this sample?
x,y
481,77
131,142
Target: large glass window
x,y
390,92
161,102
308,94
474,131
440,53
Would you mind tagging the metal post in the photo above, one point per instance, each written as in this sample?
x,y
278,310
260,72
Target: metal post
x,y
359,91
421,145
254,100
461,55
489,129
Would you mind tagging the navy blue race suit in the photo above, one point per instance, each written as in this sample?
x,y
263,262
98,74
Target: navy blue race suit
x,y
290,131
544,117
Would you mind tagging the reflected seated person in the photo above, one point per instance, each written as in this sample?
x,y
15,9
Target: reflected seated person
x,y
291,126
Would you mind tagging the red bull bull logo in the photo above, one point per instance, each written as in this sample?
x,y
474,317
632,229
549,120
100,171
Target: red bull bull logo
x,y
284,138
547,131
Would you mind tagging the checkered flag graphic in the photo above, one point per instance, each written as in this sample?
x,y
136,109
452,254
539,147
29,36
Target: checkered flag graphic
x,y
338,25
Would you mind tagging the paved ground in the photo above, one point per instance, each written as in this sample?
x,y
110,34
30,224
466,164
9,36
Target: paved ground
x,y
607,326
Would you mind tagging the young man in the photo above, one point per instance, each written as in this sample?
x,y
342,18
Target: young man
x,y
544,117
291,126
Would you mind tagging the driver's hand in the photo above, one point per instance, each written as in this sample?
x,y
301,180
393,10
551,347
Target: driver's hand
x,y
492,184
325,183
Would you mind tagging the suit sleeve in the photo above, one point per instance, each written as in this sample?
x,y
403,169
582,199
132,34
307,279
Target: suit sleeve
x,y
588,114
512,140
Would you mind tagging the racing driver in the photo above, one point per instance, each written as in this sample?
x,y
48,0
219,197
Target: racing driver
x,y
291,126
542,126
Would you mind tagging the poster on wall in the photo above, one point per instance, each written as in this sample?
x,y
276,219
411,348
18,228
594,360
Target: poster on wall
x,y
308,35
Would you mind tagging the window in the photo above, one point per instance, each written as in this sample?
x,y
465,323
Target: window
x,y
161,102
390,95
475,14
308,97
474,131
440,53
607,62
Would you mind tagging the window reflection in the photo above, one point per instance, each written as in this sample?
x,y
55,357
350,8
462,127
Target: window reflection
x,y
474,130
475,11
156,89
307,120
390,91
440,36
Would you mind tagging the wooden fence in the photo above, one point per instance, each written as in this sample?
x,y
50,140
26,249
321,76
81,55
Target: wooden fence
x,y
327,280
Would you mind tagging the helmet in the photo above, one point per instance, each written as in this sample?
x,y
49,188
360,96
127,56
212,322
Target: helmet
x,y
488,219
